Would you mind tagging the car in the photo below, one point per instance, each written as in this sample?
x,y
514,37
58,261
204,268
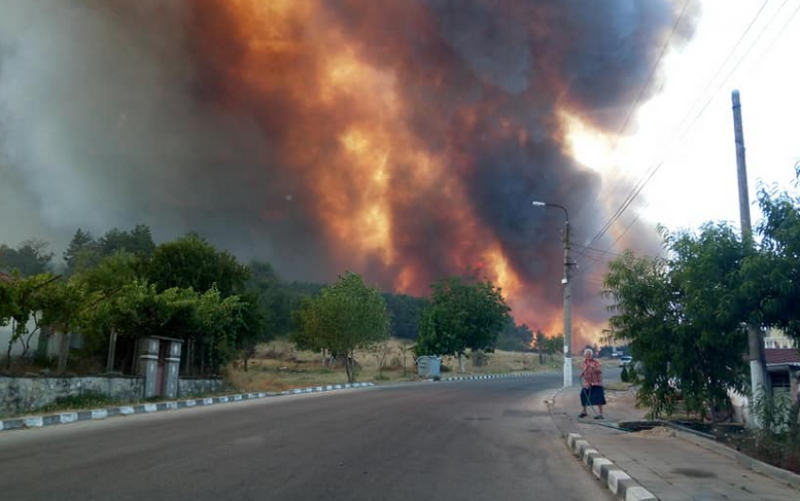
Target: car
x,y
625,360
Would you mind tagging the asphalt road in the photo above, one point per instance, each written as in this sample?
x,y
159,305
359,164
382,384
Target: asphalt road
x,y
478,440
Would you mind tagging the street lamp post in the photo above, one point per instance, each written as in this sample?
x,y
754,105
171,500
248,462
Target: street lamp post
x,y
567,296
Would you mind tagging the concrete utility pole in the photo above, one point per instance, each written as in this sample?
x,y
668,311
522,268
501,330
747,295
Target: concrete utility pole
x,y
567,296
755,342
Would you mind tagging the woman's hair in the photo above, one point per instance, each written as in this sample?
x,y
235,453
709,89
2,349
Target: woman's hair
x,y
588,351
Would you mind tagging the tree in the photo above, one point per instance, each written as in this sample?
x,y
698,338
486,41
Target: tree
x,y
21,303
345,316
772,275
541,345
138,241
405,347
462,314
82,253
554,344
515,337
275,299
28,259
405,311
684,317
381,352
192,262
63,305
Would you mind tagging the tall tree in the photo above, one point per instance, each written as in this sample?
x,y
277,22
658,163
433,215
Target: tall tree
x,y
28,258
344,317
541,344
772,276
684,318
138,241
462,314
82,253
192,262
405,311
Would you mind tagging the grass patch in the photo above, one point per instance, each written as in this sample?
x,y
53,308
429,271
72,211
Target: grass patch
x,y
88,400
279,366
618,386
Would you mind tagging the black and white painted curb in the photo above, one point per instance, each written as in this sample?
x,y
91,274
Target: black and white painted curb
x,y
619,482
96,414
497,376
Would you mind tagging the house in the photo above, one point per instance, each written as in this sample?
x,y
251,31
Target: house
x,y
783,366
776,338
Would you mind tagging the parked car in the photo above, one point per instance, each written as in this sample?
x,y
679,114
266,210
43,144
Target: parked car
x,y
625,360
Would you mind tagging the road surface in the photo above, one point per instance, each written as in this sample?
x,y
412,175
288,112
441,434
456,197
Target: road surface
x,y
475,440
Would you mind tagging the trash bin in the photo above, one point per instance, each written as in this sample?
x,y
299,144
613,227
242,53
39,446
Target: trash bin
x,y
428,366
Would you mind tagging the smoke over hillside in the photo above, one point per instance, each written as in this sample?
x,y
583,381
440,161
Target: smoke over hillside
x,y
404,139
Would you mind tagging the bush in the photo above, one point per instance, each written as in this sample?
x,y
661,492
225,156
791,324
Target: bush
x,y
479,358
89,399
444,368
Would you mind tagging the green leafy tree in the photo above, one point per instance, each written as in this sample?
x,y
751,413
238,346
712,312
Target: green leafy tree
x,y
63,304
138,241
21,304
684,318
541,345
82,253
344,317
772,275
275,299
462,314
192,262
405,311
515,337
28,259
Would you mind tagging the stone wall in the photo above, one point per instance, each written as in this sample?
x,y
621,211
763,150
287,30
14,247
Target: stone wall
x,y
20,395
191,386
26,394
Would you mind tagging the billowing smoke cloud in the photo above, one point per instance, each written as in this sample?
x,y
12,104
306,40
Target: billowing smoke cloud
x,y
404,139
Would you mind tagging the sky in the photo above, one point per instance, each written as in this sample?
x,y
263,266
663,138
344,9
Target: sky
x,y
689,126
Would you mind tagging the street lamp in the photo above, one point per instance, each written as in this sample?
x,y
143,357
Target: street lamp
x,y
567,296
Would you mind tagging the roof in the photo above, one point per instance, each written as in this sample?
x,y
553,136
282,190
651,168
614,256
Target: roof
x,y
782,356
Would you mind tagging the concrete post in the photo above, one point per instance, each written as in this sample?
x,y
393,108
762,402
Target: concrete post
x,y
172,369
148,362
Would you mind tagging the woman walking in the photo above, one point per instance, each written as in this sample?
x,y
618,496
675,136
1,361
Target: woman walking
x,y
592,376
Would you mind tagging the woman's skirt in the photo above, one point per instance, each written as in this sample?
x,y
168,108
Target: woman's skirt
x,y
593,395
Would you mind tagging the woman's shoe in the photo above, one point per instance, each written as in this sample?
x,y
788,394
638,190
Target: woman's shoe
x,y
600,416
582,414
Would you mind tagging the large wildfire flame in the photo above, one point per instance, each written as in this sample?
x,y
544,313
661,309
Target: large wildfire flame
x,y
404,139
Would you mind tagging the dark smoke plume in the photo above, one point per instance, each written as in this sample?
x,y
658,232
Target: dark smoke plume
x,y
404,138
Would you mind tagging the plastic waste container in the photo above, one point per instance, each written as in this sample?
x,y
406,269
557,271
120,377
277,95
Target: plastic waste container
x,y
428,366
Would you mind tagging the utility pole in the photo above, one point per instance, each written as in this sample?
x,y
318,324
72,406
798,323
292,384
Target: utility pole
x,y
567,296
755,343
567,308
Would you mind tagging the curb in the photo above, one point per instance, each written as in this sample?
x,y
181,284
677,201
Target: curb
x,y
146,408
498,376
615,478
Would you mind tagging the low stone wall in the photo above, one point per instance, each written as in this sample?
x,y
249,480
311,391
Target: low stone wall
x,y
191,386
20,395
24,394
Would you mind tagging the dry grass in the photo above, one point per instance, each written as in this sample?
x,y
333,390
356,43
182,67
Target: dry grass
x,y
279,366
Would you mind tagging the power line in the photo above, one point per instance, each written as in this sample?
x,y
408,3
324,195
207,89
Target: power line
x,y
651,171
644,87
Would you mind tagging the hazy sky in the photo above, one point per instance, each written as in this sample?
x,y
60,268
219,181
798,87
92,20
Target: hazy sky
x,y
697,181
